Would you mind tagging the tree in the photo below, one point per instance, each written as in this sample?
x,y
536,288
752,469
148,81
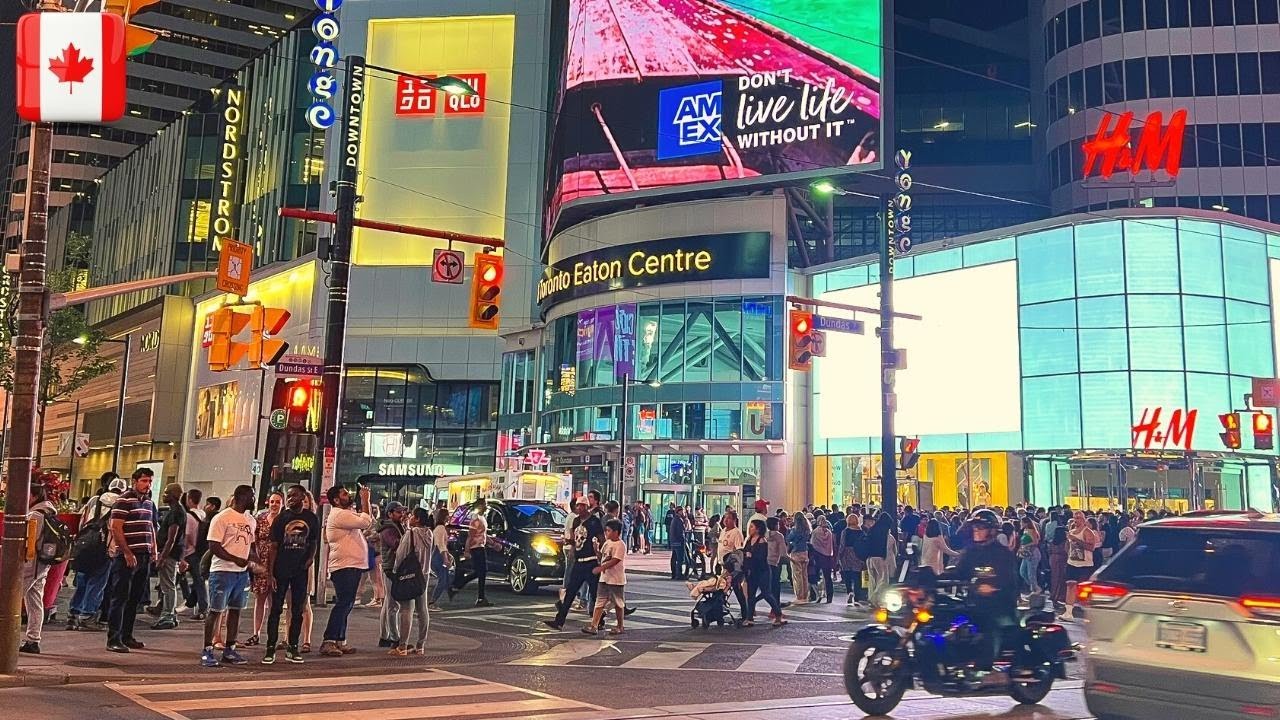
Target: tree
x,y
71,356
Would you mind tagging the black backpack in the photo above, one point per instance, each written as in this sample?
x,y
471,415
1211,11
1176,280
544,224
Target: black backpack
x,y
408,581
89,549
54,545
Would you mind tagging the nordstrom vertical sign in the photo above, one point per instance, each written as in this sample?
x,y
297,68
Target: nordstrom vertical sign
x,y
225,221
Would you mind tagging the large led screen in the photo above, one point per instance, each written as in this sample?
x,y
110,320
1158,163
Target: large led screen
x,y
655,96
962,372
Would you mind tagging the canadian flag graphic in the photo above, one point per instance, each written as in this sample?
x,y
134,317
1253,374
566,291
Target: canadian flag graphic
x,y
71,67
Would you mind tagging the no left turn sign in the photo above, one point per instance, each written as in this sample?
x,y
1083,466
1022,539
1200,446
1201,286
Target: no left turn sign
x,y
447,267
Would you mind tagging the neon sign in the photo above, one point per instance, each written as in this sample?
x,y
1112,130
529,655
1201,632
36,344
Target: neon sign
x,y
416,97
323,85
1150,433
1158,146
225,220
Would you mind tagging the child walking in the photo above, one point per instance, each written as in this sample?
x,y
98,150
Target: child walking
x,y
613,579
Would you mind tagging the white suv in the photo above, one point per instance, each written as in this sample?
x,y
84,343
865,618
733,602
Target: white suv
x,y
1185,621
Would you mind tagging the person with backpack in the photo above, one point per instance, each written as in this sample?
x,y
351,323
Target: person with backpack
x,y
390,531
89,555
36,570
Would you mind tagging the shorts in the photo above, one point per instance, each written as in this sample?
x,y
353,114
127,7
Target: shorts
x,y
609,596
228,590
1079,574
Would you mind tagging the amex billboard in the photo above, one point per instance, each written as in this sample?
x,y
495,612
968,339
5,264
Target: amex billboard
x,y
656,96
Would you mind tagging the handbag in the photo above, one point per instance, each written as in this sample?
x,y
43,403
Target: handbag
x,y
408,582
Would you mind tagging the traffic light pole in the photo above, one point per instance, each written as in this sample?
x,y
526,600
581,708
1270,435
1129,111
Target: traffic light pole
x,y
335,327
888,366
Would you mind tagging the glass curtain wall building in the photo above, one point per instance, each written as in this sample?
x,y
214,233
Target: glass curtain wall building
x,y
1127,337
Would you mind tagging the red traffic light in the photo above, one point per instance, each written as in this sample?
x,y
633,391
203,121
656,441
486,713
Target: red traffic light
x,y
802,324
1262,422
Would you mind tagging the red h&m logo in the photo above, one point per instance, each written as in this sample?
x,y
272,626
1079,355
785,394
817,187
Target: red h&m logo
x,y
1157,145
1149,432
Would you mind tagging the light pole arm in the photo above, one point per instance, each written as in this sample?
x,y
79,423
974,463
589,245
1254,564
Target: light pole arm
x,y
57,301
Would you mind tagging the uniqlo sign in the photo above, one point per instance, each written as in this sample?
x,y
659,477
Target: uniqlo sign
x,y
415,97
71,67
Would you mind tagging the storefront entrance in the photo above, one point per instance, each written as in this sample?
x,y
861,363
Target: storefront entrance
x,y
1141,484
660,496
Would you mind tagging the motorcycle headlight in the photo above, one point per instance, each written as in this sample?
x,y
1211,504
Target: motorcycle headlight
x,y
891,601
544,545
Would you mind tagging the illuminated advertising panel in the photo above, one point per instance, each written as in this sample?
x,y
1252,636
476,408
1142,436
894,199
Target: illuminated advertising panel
x,y
655,96
216,410
430,159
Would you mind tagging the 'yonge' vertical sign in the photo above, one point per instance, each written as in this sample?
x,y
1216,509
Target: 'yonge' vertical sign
x,y
226,199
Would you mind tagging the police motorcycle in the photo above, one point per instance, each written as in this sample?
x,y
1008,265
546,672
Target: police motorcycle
x,y
923,635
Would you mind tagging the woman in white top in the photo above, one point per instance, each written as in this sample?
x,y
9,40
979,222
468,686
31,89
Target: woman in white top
x,y
934,548
730,537
441,560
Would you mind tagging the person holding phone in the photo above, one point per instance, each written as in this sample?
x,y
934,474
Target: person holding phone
x,y
348,559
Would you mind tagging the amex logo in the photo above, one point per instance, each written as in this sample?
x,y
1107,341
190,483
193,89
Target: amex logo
x,y
689,120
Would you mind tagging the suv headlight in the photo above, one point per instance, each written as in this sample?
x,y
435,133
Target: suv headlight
x,y
891,600
544,545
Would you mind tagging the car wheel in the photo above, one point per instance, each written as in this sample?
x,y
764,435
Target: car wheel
x,y
518,577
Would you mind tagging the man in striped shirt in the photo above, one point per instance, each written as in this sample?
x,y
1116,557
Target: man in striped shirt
x,y
132,547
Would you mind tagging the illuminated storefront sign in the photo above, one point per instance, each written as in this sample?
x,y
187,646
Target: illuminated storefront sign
x,y
323,85
226,196
656,262
1152,432
667,94
411,469
415,96
1158,146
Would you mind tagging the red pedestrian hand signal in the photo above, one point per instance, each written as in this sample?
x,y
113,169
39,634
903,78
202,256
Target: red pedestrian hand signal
x,y
1158,146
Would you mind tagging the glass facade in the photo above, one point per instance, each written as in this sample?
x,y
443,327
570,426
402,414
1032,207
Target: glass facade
x,y
704,369
398,423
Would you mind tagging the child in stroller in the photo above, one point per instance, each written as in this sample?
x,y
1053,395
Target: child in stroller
x,y
712,597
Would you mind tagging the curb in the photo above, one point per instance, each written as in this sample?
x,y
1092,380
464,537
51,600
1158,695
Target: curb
x,y
51,679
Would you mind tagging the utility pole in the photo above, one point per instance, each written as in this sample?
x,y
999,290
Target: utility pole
x,y
897,240
622,436
335,327
28,347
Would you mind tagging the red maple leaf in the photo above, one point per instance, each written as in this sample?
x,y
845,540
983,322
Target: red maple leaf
x,y
71,68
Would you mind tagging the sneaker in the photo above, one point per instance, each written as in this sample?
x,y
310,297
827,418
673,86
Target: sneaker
x,y
435,608
270,657
483,603
346,649
73,623
166,624
293,656
32,648
330,649
231,657
207,658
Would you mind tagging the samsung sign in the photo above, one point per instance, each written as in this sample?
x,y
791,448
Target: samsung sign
x,y
726,256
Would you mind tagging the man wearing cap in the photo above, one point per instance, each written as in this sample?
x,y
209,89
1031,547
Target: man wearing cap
x,y
91,584
390,530
586,534
762,507
173,528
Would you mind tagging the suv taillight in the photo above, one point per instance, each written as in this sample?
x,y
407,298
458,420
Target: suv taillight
x,y
1100,594
1267,608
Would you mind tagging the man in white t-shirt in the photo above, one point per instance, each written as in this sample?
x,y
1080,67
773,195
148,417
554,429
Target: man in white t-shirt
x,y
231,536
613,579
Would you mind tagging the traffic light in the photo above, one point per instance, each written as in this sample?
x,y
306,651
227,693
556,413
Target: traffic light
x,y
800,341
910,453
1231,426
264,324
298,402
136,40
486,286
224,351
1263,431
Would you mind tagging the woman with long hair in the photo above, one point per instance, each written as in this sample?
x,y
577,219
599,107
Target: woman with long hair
x,y
1029,553
823,557
441,560
934,548
259,582
798,551
759,581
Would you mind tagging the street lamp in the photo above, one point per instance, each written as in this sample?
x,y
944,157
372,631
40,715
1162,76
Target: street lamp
x,y
627,382
826,187
452,85
127,341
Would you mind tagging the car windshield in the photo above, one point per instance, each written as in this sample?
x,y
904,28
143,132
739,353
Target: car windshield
x,y
1201,561
535,515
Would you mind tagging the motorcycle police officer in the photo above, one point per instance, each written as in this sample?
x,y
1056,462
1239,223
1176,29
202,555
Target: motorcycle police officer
x,y
992,573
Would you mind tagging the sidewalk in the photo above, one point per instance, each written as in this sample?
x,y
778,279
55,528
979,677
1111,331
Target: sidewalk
x,y
657,562
69,657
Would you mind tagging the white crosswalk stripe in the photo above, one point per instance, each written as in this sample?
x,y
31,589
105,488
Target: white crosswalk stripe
x,y
403,696
648,616
711,657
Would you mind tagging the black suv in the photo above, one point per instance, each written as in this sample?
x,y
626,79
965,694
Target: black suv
x,y
524,543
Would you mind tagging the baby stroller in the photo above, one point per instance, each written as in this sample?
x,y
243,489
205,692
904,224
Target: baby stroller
x,y
712,597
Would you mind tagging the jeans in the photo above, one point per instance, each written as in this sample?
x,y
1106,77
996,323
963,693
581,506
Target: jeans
x,y
1029,571
678,570
34,575
128,587
406,612
167,571
198,587
390,626
295,588
760,587
775,580
89,590
443,577
580,574
345,582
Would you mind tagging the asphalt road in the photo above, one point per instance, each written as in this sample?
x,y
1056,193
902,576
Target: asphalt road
x,y
504,663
